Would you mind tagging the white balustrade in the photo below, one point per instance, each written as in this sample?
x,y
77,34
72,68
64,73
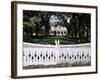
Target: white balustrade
x,y
34,54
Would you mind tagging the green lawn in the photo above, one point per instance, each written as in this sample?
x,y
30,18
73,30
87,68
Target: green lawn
x,y
51,40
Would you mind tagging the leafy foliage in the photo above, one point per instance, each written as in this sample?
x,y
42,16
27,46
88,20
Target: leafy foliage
x,y
39,23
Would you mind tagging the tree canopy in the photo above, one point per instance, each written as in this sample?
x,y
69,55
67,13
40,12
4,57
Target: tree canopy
x,y
39,22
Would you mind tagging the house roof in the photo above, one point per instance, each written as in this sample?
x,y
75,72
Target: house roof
x,y
58,28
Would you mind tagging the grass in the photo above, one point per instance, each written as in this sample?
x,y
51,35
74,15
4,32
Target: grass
x,y
57,65
51,40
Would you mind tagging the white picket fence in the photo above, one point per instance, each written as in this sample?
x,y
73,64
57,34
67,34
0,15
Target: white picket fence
x,y
36,54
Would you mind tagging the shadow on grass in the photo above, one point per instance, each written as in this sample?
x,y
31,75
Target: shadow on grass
x,y
57,65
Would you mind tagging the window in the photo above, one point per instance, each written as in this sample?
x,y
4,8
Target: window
x,y
61,32
65,32
52,32
58,32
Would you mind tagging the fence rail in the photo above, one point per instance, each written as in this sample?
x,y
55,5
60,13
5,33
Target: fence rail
x,y
36,54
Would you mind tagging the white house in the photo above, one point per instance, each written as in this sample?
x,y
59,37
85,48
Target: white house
x,y
58,31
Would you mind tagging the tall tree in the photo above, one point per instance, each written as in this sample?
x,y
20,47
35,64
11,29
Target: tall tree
x,y
45,21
